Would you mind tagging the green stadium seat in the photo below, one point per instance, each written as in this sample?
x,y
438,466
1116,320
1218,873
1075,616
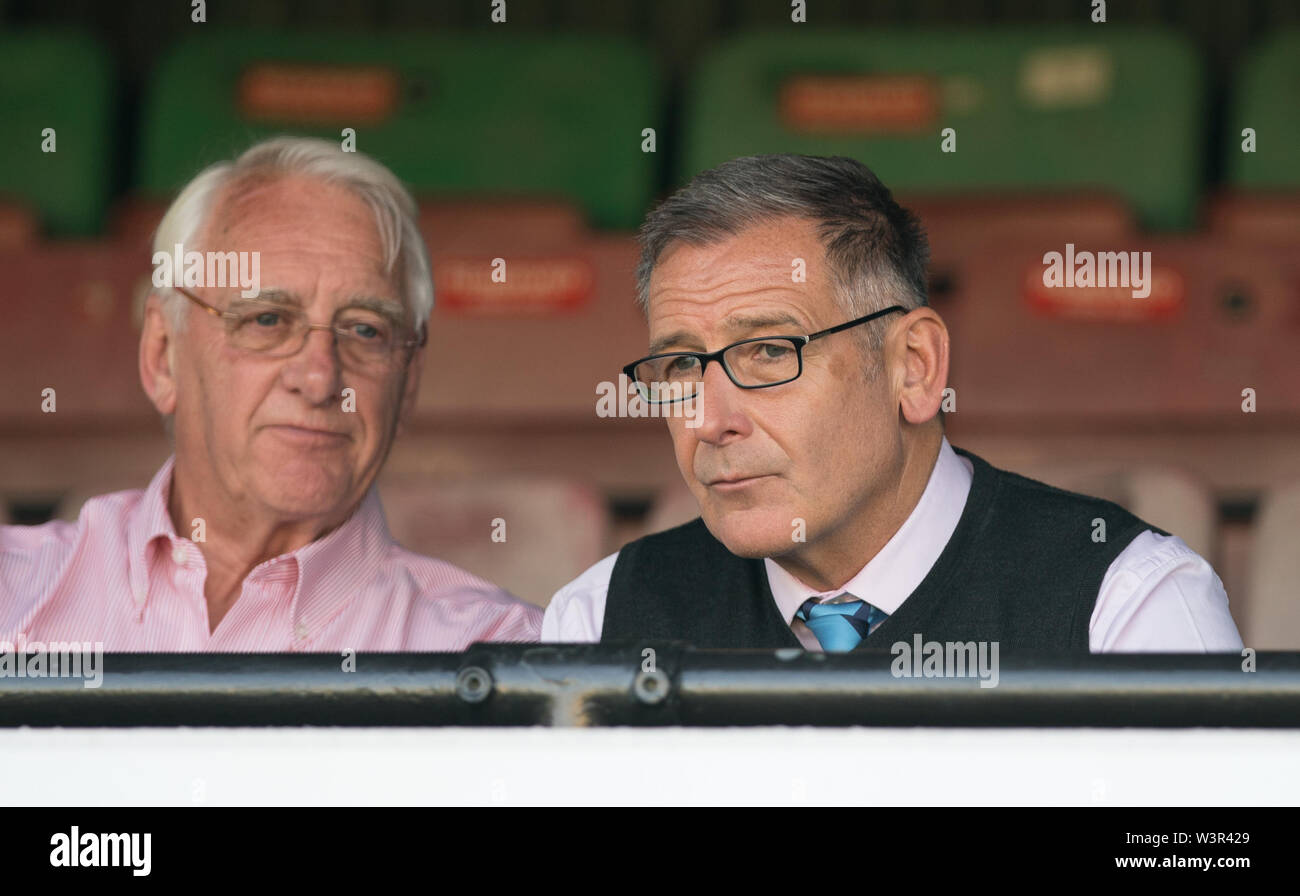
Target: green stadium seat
x,y
1267,98
1261,202
58,80
1098,109
467,114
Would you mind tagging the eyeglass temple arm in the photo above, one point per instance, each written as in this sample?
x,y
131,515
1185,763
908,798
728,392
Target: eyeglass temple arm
x,y
215,312
856,322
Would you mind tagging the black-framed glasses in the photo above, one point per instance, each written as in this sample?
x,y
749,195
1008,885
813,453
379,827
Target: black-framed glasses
x,y
367,339
750,363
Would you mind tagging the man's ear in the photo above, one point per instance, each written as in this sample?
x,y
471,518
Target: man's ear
x,y
157,344
920,349
410,388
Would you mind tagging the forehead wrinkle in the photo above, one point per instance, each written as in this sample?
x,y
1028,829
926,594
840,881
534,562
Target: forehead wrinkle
x,y
785,291
743,321
738,268
386,307
710,279
288,299
736,323
277,297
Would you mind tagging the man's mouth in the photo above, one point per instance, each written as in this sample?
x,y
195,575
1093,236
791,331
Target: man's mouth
x,y
307,433
736,482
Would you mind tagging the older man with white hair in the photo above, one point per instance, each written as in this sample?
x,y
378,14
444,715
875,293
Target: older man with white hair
x,y
263,532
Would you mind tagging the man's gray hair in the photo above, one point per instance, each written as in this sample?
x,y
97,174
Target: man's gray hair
x,y
876,250
395,211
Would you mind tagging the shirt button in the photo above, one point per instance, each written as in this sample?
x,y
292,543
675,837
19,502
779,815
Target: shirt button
x,y
178,555
139,596
300,631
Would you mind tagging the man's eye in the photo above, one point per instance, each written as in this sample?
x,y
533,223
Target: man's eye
x,y
680,366
772,351
367,331
265,319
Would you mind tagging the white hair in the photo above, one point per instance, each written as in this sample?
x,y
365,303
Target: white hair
x,y
395,211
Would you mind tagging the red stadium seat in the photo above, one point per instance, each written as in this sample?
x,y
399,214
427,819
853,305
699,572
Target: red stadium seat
x,y
73,327
1220,318
133,220
959,227
1270,218
546,530
18,226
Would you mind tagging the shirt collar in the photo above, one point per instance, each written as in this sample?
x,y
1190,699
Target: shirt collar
x,y
899,567
328,571
150,522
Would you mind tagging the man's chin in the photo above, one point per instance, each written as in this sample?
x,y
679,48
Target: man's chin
x,y
755,534
304,496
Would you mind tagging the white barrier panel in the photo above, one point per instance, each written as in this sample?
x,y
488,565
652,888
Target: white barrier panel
x,y
745,766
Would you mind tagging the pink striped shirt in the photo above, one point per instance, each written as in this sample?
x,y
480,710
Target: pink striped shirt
x,y
121,575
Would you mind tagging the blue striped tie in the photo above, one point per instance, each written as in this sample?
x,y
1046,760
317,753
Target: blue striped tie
x,y
842,626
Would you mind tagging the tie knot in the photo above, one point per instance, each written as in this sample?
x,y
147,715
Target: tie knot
x,y
840,626
812,608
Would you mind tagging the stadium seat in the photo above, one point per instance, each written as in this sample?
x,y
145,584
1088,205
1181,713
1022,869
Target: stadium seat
x,y
959,230
1220,318
1033,109
1272,616
1259,217
551,529
59,81
447,224
1261,202
18,226
73,415
454,226
73,327
536,346
462,114
133,219
1264,99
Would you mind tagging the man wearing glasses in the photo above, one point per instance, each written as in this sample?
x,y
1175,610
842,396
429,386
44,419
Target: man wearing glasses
x,y
786,296
263,531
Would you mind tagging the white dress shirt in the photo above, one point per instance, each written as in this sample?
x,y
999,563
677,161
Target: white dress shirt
x,y
1157,596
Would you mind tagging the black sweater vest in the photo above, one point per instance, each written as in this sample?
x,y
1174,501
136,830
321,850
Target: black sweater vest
x,y
1021,568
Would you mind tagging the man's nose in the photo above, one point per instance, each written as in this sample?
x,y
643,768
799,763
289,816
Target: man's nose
x,y
719,407
315,370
